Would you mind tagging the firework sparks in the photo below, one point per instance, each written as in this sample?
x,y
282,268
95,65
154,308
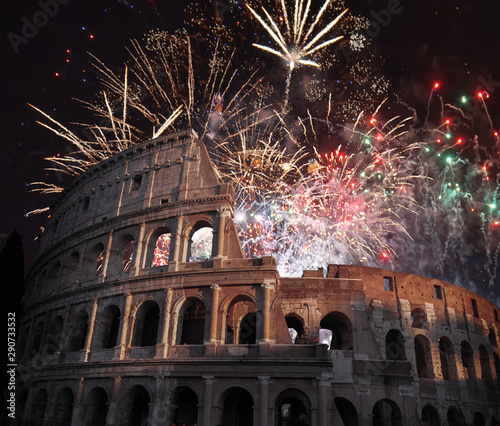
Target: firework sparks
x,y
294,41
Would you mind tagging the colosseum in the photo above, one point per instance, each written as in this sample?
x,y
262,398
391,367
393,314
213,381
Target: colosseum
x,y
141,309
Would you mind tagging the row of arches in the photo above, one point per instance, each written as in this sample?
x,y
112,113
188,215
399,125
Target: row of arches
x,y
243,322
447,357
158,251
235,407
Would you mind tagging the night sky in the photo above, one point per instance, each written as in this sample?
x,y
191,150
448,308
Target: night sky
x,y
454,42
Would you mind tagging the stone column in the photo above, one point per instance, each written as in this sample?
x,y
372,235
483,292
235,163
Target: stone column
x,y
210,346
88,342
357,308
266,311
63,340
264,400
162,347
138,250
178,246
435,359
120,353
220,237
207,400
29,341
79,413
113,405
107,255
322,384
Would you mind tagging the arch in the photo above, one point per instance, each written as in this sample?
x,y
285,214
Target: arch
x,y
496,360
467,354
492,337
138,401
419,318
455,417
239,308
479,419
107,328
191,327
386,413
290,404
146,324
395,346
122,254
77,331
71,268
63,409
185,402
423,357
37,339
237,407
53,278
340,326
93,261
96,406
295,322
54,335
200,245
484,360
38,408
430,416
447,357
347,411
159,247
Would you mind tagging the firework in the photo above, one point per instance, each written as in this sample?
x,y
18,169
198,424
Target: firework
x,y
294,42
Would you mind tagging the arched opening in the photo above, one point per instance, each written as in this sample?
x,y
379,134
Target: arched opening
x,y
468,360
96,406
93,261
38,408
447,356
455,417
77,332
423,357
341,329
108,327
200,243
386,413
497,366
492,338
192,322
54,335
484,360
186,407
430,416
395,346
479,420
139,411
159,248
53,278
37,339
347,412
122,255
71,268
295,326
418,318
146,324
291,406
63,410
238,309
238,408
247,333
128,254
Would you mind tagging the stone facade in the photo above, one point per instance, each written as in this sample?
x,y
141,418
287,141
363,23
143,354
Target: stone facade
x,y
128,324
